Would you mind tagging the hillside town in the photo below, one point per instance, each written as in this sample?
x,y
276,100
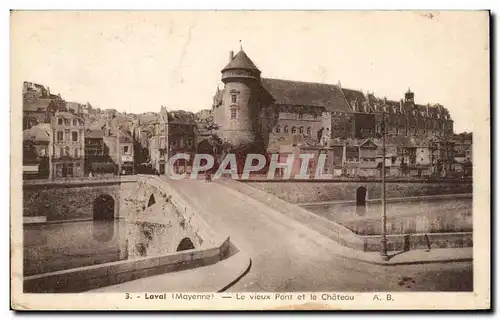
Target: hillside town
x,y
64,139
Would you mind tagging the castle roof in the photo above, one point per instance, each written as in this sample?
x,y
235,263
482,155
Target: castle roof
x,y
290,92
241,61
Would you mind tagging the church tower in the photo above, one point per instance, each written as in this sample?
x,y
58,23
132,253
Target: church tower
x,y
409,97
240,100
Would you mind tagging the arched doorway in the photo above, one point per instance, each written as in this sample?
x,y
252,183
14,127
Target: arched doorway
x,y
151,200
103,228
185,244
361,196
104,207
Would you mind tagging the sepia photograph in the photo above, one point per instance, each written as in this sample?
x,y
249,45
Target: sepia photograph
x,y
231,160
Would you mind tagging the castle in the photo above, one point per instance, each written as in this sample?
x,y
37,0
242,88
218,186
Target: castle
x,y
253,109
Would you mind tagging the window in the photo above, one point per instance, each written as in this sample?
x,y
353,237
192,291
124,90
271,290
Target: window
x,y
75,122
59,170
233,98
60,121
61,152
309,131
60,136
294,130
76,152
74,136
285,130
301,130
234,113
301,116
278,129
78,170
125,149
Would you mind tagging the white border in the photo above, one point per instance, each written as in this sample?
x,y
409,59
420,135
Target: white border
x,y
146,4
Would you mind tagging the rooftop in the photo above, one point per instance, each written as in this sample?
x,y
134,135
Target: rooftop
x,y
36,104
301,93
36,134
241,61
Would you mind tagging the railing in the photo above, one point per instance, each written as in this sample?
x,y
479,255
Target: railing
x,y
78,180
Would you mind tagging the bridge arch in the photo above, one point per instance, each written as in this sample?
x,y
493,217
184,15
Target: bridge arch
x,y
151,200
185,244
104,207
361,196
103,228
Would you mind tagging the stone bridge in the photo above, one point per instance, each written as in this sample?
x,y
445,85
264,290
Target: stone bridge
x,y
156,219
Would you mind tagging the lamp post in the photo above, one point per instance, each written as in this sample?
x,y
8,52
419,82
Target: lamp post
x,y
383,241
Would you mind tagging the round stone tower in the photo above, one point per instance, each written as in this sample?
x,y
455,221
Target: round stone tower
x,y
240,100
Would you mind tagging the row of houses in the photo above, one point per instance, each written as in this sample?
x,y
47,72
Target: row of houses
x,y
66,147
404,156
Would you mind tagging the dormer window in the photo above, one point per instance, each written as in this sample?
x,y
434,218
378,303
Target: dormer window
x,y
59,121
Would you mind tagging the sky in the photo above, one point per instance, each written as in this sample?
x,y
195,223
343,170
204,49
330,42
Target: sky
x,y
138,61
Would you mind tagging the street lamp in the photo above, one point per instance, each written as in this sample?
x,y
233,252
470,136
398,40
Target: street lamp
x,y
383,241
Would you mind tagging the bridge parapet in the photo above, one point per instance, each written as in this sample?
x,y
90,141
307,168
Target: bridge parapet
x,y
170,202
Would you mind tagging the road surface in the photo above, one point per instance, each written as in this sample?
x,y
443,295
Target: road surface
x,y
287,256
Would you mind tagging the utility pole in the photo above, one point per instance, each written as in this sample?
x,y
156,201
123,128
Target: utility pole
x,y
383,241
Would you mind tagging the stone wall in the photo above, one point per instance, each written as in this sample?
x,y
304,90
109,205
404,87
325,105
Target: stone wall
x,y
158,229
92,277
316,191
58,200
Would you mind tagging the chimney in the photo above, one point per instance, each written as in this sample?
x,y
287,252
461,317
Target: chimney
x,y
231,55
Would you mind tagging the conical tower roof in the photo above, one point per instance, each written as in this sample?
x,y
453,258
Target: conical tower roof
x,y
241,61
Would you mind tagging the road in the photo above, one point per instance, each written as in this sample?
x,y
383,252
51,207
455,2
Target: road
x,y
287,256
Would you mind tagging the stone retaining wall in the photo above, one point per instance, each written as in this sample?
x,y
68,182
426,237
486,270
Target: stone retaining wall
x,y
316,191
92,277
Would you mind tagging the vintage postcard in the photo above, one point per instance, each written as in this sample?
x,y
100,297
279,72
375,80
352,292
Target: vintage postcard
x,y
250,160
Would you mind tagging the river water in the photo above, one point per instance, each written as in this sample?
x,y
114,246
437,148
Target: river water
x,y
60,246
429,216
